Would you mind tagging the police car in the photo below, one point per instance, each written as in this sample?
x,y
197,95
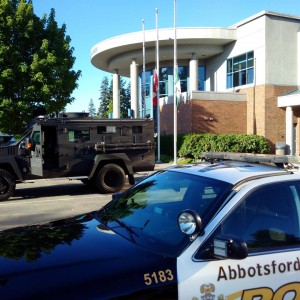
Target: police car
x,y
227,228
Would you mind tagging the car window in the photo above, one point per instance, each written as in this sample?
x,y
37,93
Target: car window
x,y
268,218
148,212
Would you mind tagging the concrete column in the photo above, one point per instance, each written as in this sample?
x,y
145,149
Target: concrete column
x,y
289,130
116,95
298,55
134,87
194,73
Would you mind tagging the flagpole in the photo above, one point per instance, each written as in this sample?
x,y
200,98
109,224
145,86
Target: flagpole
x,y
144,73
157,92
174,97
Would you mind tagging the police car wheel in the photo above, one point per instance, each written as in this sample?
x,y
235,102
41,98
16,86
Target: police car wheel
x,y
110,179
7,185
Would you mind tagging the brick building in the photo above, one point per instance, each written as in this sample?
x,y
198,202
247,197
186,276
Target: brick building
x,y
240,79
207,112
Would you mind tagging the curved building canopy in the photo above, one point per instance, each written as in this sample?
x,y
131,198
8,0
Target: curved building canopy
x,y
118,52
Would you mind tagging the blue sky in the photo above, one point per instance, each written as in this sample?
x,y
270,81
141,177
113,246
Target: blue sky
x,y
91,21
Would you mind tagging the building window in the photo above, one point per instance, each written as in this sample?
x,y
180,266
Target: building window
x,y
201,78
240,70
164,74
183,75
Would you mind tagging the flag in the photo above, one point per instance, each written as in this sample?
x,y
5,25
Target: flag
x,y
155,85
143,96
177,86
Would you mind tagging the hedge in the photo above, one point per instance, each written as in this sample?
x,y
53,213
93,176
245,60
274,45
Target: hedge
x,y
192,145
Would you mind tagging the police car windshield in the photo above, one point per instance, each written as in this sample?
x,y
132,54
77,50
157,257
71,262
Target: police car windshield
x,y
147,213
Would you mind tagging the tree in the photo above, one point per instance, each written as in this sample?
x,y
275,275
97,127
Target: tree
x,y
110,107
36,62
105,96
92,108
124,99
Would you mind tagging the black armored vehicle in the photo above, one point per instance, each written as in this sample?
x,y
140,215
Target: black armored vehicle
x,y
99,152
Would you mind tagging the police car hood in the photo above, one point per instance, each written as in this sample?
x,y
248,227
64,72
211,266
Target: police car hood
x,y
80,258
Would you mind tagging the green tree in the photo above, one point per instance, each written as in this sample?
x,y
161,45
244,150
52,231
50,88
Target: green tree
x,y
105,97
124,99
92,108
110,107
36,62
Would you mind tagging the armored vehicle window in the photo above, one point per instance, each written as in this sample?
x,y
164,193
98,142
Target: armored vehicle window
x,y
137,129
126,131
106,129
78,136
36,137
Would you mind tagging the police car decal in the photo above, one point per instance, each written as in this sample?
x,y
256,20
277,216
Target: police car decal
x,y
161,276
283,292
264,277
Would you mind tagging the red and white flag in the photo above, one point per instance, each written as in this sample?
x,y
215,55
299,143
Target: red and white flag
x,y
155,85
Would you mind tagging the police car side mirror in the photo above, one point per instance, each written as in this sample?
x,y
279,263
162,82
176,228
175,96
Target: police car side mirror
x,y
190,223
229,247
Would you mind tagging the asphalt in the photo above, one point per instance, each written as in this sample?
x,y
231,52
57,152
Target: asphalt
x,y
47,200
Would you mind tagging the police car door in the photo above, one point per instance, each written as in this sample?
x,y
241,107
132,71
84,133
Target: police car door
x,y
36,160
267,220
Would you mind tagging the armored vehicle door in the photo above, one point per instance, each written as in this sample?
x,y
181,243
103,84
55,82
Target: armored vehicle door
x,y
36,160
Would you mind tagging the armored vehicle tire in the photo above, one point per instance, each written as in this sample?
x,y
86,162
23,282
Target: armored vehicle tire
x,y
7,185
110,179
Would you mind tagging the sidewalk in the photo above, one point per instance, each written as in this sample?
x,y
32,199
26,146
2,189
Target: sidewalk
x,y
142,174
159,166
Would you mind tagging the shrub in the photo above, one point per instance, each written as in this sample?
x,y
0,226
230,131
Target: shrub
x,y
194,144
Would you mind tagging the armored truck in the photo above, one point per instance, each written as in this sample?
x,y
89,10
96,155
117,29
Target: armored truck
x,y
99,152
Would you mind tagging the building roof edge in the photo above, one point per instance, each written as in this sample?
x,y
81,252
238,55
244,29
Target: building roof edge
x,y
261,14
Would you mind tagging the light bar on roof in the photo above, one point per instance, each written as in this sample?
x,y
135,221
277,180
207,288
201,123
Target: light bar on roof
x,y
248,157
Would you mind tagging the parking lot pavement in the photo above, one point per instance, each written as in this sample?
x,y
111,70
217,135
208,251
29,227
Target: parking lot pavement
x,y
43,201
47,200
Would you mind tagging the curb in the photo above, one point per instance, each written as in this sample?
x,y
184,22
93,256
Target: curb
x,y
159,166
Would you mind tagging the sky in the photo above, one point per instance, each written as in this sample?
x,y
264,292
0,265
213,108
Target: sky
x,y
89,22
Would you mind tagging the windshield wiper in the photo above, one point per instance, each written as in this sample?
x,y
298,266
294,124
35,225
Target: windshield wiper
x,y
122,224
128,229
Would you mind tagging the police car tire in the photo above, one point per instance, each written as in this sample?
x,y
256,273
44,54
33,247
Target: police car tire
x,y
7,185
111,178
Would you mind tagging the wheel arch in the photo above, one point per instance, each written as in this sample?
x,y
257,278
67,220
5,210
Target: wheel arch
x,y
12,167
7,184
120,159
